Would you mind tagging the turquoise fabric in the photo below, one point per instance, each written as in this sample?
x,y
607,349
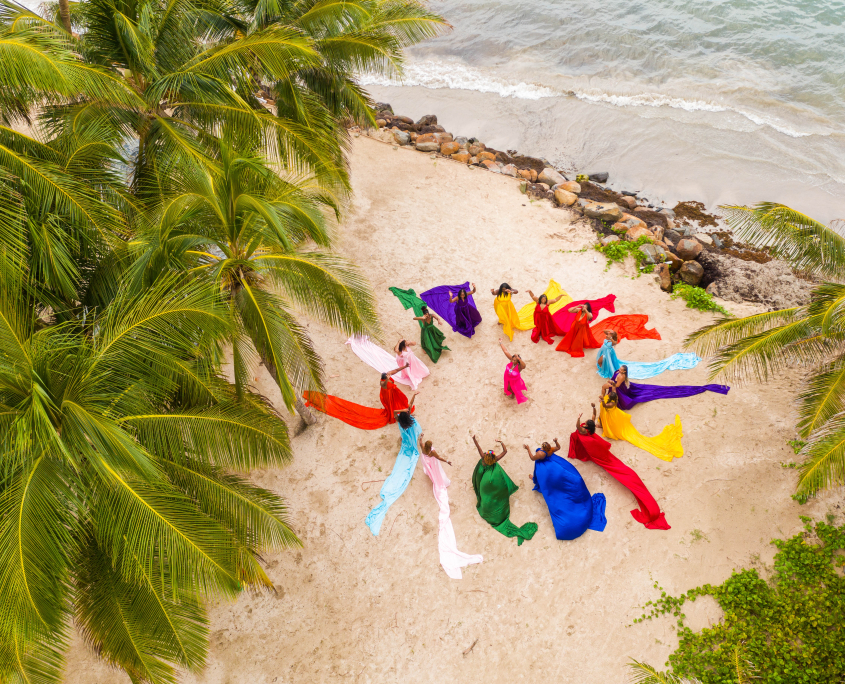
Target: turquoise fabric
x,y
400,477
607,363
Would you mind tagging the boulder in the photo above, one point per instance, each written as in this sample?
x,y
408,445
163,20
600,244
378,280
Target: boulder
x,y
609,239
672,235
628,202
405,119
492,165
635,233
664,277
583,203
571,186
688,249
381,123
551,177
600,177
712,289
461,140
449,148
674,261
627,221
462,157
382,107
483,156
564,198
444,137
691,272
528,174
402,137
428,120
655,254
658,231
667,212
414,136
510,170
427,146
427,137
606,211
670,223
476,148
703,238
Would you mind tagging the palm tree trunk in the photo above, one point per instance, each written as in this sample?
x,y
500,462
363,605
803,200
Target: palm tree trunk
x,y
64,15
306,415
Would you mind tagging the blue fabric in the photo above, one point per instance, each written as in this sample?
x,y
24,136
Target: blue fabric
x,y
610,363
572,508
400,477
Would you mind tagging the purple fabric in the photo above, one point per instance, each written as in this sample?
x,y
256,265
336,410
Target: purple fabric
x,y
462,316
638,393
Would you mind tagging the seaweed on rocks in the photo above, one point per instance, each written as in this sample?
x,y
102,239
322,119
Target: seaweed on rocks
x,y
686,212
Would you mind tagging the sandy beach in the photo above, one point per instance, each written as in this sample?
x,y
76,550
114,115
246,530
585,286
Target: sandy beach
x,y
351,607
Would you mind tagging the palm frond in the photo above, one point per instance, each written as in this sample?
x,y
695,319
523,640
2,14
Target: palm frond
x,y
822,397
824,457
642,673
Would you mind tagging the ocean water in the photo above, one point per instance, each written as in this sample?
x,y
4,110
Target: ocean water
x,y
732,101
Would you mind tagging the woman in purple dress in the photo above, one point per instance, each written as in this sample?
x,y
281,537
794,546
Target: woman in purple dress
x,y
632,393
466,315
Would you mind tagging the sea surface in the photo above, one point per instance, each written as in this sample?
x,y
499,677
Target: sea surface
x,y
733,101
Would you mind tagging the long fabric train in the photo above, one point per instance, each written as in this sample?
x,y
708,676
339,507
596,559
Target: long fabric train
x,y
636,393
431,337
463,317
376,357
616,424
361,417
399,478
627,327
493,489
409,300
451,559
526,313
594,448
607,363
572,509
564,319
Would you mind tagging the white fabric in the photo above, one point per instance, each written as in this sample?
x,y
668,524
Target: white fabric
x,y
376,357
413,375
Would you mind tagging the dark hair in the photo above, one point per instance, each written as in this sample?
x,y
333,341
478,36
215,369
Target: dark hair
x,y
463,292
590,425
589,308
613,396
503,287
384,376
405,420
402,346
425,311
541,298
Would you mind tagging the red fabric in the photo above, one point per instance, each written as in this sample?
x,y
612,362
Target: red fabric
x,y
594,448
393,399
578,337
544,325
362,417
564,320
630,327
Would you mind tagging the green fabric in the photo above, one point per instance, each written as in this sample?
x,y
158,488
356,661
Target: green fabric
x,y
409,300
431,340
493,489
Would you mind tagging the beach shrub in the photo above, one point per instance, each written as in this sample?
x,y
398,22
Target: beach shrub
x,y
788,627
697,298
617,252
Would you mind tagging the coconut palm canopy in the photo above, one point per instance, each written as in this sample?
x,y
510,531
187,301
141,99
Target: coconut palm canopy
x,y
763,345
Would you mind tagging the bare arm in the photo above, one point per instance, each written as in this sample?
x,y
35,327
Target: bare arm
x,y
578,420
573,309
411,403
531,294
471,292
452,299
397,370
494,292
438,456
480,452
556,299
589,315
502,345
396,348
504,451
557,447
514,291
594,411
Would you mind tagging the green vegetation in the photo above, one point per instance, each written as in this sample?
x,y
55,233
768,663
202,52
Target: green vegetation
x,y
617,252
170,174
787,629
764,345
697,298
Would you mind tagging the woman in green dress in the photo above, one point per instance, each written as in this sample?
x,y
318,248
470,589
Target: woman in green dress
x,y
431,337
493,489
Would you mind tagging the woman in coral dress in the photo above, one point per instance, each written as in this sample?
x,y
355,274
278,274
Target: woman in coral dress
x,y
544,325
616,424
505,309
579,336
514,384
415,369
392,398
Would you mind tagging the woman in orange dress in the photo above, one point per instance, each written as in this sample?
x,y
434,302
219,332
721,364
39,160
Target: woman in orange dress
x,y
579,336
392,398
544,325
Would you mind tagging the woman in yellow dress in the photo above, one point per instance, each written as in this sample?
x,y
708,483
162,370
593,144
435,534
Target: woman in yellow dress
x,y
616,424
505,309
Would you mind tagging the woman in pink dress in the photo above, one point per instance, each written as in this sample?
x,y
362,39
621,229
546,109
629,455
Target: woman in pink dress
x,y
415,372
514,384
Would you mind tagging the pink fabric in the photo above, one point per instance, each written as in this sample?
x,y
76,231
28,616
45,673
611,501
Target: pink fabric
x,y
514,384
413,375
376,357
451,559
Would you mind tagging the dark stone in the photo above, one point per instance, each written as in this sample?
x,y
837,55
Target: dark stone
x,y
428,120
673,235
629,193
423,128
600,177
382,107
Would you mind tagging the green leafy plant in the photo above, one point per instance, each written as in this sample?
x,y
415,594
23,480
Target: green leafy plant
x,y
617,252
697,298
582,178
789,626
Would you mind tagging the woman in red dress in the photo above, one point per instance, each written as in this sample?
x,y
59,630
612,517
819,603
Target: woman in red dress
x,y
579,336
392,398
544,325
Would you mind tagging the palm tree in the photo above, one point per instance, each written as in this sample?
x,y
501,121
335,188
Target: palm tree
x,y
643,673
765,344
121,509
240,225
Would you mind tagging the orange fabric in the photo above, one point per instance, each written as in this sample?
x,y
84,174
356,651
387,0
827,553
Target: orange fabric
x,y
630,327
362,417
579,337
544,325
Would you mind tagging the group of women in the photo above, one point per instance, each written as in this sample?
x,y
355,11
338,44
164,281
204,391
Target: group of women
x,y
572,508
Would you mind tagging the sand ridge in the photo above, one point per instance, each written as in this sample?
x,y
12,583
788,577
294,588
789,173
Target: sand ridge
x,y
351,607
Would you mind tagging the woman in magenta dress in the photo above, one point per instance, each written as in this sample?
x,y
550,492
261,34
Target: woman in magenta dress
x,y
544,325
514,384
467,317
416,370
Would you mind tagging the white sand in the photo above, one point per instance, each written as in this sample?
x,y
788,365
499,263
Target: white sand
x,y
351,607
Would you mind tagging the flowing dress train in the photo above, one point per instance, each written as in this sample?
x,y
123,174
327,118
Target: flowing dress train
x,y
578,338
493,489
431,340
594,448
627,327
399,478
376,357
463,321
616,424
572,509
637,393
607,363
544,325
506,312
514,384
413,375
564,318
409,300
553,291
361,417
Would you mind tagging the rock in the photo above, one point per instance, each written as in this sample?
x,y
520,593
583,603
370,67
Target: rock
x,y
703,238
382,107
571,186
691,272
461,140
381,123
662,244
527,174
439,129
629,193
664,277
462,157
545,186
609,239
414,136
669,244
427,120
405,119
674,261
635,233
482,156
667,212
449,148
627,221
564,198
654,254
402,137
716,241
712,289
428,137
672,235
492,165
476,148
510,170
688,249
658,232
629,202
670,223
583,203
444,137
551,177
427,146
600,177
606,211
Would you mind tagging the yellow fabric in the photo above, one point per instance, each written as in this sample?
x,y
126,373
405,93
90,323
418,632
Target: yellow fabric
x,y
526,313
507,313
616,424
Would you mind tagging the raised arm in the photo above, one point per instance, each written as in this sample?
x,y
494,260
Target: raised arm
x,y
451,298
398,370
396,348
556,299
573,309
504,451
514,291
531,294
557,447
589,314
472,291
411,403
480,452
594,410
502,345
